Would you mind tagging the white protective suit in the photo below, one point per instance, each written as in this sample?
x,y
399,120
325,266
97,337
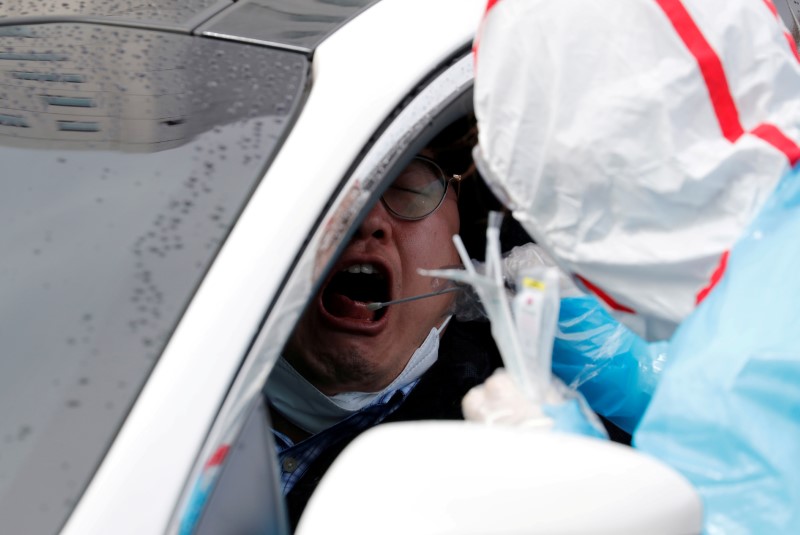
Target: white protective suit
x,y
650,146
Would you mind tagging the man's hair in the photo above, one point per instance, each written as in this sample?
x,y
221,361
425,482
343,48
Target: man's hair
x,y
452,150
452,147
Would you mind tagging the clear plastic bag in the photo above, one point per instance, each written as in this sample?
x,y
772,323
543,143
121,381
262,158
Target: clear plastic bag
x,y
468,306
523,319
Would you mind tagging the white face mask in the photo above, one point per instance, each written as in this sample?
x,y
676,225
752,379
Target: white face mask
x,y
311,410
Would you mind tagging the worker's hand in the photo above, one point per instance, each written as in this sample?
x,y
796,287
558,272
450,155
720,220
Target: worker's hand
x,y
499,401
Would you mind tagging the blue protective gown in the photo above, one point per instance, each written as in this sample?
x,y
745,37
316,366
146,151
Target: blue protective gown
x,y
725,407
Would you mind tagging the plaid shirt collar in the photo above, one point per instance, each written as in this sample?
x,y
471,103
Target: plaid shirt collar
x,y
295,459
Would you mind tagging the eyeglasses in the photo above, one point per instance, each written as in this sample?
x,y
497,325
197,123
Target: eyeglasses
x,y
418,191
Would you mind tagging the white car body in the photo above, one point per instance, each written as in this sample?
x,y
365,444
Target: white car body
x,y
200,392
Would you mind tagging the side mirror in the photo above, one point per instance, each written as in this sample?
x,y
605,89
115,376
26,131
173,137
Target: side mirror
x,y
469,479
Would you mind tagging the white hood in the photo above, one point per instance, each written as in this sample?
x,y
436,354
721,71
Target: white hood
x,y
636,139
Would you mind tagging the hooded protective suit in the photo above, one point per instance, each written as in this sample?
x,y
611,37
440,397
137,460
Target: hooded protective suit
x,y
650,147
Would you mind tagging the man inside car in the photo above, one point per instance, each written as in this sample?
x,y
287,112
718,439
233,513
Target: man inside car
x,y
347,367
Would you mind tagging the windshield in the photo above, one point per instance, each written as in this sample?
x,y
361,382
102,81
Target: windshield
x,y
126,157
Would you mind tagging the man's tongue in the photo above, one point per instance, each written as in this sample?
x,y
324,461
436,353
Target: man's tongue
x,y
342,306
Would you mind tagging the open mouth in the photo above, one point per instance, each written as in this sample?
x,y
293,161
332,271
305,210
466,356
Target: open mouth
x,y
350,290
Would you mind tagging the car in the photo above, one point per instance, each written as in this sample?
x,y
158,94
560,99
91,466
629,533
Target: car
x,y
177,176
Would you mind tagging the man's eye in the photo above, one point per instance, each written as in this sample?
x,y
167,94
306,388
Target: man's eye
x,y
408,190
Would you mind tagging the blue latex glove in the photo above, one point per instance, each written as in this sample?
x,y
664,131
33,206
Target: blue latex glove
x,y
572,416
611,366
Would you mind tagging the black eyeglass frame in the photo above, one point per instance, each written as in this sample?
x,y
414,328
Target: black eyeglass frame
x,y
442,177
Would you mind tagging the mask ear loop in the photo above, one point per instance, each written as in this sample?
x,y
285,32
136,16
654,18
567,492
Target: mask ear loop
x,y
457,179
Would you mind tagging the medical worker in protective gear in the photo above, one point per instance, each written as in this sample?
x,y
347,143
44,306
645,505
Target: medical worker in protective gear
x,y
650,147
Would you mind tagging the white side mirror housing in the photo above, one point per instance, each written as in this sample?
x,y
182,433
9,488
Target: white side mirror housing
x,y
470,479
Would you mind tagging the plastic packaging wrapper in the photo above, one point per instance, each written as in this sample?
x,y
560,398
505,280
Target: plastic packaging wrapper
x,y
468,307
490,288
523,326
648,147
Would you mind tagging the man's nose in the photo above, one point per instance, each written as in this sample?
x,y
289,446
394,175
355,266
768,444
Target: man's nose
x,y
377,224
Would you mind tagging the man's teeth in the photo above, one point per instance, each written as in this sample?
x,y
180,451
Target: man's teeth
x,y
367,269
